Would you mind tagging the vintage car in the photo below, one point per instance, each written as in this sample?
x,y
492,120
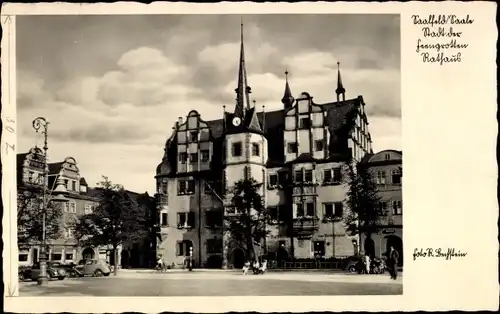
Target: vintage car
x,y
96,268
54,271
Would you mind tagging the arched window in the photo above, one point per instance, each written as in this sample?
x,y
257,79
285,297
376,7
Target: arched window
x,y
396,176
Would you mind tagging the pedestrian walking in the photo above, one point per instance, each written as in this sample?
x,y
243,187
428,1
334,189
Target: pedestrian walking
x,y
392,262
159,264
367,264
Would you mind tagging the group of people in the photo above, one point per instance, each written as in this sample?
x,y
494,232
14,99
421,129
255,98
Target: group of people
x,y
391,263
257,267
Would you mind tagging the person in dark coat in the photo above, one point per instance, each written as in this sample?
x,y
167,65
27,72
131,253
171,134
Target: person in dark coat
x,y
392,262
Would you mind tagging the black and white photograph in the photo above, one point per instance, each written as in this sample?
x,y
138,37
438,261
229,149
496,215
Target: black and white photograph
x,y
239,157
219,155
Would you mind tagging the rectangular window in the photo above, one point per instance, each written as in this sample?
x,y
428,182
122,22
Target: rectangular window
x,y
299,175
69,257
193,158
397,208
310,210
327,176
23,257
309,176
205,155
383,208
66,207
319,248
72,207
305,123
182,158
236,149
380,177
318,145
73,185
193,136
164,219
273,180
387,157
337,175
190,187
339,209
68,233
190,219
273,214
300,210
292,148
55,256
255,149
181,187
328,210
396,177
182,220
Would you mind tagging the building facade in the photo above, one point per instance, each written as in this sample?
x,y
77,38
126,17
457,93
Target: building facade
x,y
81,200
299,155
386,168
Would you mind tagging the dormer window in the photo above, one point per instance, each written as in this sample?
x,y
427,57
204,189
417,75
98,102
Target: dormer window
x,y
387,157
83,189
193,136
304,123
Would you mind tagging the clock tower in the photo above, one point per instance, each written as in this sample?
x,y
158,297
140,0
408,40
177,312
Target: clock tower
x,y
245,146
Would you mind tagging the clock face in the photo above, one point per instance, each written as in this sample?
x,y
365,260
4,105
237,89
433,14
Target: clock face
x,y
236,121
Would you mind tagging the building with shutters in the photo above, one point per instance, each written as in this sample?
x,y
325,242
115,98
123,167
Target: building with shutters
x,y
298,153
386,168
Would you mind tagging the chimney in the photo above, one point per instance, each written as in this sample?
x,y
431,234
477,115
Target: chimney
x,y
179,121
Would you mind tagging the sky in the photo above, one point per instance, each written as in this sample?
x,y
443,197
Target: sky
x,y
112,87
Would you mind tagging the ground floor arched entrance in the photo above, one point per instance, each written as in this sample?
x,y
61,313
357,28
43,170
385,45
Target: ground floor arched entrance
x,y
397,244
88,253
369,247
238,258
281,256
214,261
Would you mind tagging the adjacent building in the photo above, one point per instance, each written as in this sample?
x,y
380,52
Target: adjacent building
x,y
81,200
298,153
386,168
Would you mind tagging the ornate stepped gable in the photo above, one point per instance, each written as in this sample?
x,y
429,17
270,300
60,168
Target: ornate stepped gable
x,y
340,117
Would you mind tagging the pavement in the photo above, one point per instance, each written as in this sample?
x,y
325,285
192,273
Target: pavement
x,y
218,283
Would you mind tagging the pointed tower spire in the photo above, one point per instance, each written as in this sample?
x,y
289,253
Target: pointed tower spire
x,y
287,99
243,90
340,87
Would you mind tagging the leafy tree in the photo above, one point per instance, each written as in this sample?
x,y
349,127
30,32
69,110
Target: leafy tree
x,y
248,225
116,220
30,212
363,201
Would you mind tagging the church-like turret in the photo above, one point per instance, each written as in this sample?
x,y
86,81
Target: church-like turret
x,y
287,99
340,91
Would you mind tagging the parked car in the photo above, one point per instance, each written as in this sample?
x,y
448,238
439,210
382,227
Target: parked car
x,y
353,264
24,273
53,271
96,268
356,264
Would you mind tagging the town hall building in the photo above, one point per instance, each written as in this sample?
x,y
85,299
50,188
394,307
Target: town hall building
x,y
297,153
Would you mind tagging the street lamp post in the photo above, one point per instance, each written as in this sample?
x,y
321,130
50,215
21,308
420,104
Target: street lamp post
x,y
40,124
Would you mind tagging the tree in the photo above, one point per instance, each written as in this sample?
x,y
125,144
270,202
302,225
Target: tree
x,y
30,212
117,219
248,225
363,201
